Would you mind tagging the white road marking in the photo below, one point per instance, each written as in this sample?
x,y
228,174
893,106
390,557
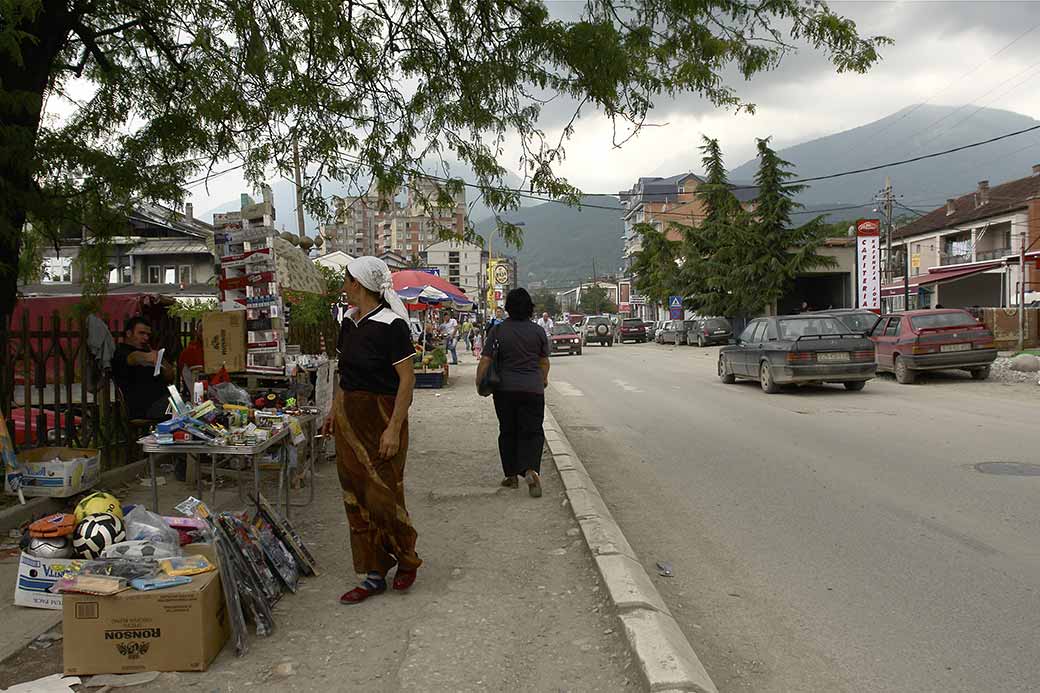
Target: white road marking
x,y
626,387
566,389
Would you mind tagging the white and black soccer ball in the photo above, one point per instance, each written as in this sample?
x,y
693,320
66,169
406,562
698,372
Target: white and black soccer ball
x,y
50,547
97,532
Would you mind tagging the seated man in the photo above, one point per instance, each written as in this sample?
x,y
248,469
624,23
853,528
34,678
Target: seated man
x,y
133,369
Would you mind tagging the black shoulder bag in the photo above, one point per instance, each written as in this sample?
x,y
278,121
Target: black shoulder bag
x,y
492,377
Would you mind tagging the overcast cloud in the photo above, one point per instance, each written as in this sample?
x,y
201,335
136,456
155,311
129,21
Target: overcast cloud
x,y
948,53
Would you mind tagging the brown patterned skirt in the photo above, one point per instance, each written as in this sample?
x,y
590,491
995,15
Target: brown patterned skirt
x,y
381,532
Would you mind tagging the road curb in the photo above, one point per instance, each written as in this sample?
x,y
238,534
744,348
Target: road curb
x,y
658,645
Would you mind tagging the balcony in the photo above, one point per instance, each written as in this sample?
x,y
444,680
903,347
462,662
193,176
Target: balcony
x,y
962,259
994,254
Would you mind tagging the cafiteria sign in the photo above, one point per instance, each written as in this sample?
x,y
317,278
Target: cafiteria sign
x,y
868,264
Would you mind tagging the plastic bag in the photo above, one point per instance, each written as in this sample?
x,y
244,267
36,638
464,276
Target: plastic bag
x,y
229,393
135,550
128,569
143,525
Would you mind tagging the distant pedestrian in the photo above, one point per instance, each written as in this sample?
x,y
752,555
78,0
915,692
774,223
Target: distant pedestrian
x,y
546,323
467,332
498,318
450,331
520,351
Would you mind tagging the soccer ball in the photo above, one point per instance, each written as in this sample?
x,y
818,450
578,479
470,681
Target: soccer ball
x,y
50,547
99,502
97,532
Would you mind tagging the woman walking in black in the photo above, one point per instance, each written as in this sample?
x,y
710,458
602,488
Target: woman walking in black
x,y
520,351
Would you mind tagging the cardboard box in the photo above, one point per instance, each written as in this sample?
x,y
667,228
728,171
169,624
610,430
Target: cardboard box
x,y
175,629
35,578
57,472
224,341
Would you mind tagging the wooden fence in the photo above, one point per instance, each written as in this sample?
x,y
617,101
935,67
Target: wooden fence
x,y
51,393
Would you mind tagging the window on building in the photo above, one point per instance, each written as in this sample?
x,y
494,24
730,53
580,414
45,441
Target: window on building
x,y
128,274
154,274
184,274
57,270
169,275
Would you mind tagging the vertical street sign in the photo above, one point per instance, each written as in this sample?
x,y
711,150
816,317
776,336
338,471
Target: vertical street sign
x,y
868,264
675,309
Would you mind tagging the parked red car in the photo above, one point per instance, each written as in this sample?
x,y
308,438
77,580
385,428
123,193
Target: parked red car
x,y
921,340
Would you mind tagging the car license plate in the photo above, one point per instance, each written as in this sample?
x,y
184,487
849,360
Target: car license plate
x,y
720,332
832,356
955,347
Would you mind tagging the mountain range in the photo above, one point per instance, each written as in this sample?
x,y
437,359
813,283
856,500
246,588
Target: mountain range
x,y
562,245
560,242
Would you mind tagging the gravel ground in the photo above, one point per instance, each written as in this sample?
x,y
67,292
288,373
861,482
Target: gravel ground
x,y
1002,372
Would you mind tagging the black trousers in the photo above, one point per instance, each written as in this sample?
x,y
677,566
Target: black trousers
x,y
520,435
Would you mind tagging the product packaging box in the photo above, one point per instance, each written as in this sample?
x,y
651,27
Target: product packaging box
x,y
224,339
35,578
179,628
57,472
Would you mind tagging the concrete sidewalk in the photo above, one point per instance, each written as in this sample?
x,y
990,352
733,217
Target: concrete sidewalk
x,y
508,597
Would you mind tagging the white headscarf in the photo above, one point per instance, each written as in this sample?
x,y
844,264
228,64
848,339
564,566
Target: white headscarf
x,y
373,274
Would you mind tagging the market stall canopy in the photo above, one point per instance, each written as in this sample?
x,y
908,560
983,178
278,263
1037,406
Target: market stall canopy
x,y
409,284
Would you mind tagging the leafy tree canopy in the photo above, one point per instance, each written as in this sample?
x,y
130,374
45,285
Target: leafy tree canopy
x,y
595,300
545,302
154,93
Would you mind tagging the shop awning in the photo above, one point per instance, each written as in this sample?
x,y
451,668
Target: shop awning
x,y
937,277
172,247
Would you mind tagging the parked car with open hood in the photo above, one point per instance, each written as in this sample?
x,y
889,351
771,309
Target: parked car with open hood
x,y
798,349
927,340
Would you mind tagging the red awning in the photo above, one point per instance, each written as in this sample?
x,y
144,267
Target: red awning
x,y
937,277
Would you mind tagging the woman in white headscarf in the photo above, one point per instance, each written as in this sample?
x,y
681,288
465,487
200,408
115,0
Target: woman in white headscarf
x,y
370,418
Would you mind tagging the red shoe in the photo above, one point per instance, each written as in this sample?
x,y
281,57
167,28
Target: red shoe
x,y
360,594
403,580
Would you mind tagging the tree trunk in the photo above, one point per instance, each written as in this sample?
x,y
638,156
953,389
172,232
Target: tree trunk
x,y
22,86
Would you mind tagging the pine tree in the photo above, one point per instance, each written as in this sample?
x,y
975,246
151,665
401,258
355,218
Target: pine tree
x,y
711,247
772,252
655,266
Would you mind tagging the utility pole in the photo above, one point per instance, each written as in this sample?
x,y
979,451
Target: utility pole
x,y
299,186
887,198
1022,293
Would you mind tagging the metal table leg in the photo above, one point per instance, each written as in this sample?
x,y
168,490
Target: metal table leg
x,y
155,482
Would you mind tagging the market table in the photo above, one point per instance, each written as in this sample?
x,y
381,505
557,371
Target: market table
x,y
251,452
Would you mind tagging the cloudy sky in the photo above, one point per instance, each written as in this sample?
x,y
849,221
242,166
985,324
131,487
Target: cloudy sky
x,y
945,53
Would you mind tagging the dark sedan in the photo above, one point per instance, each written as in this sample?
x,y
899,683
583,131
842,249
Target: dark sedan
x,y
799,349
708,331
564,340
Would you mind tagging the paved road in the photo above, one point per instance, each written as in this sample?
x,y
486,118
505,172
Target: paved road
x,y
822,540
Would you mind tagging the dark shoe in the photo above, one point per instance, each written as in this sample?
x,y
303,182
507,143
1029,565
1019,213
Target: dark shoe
x,y
534,483
360,594
511,482
403,580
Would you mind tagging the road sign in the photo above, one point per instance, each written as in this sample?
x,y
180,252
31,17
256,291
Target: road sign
x,y
674,302
501,274
675,313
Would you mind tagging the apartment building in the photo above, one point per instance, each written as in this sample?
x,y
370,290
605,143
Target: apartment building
x,y
373,225
967,252
462,264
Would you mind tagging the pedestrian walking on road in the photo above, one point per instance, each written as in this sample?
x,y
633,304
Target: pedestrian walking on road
x,y
546,323
520,351
370,420
450,330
